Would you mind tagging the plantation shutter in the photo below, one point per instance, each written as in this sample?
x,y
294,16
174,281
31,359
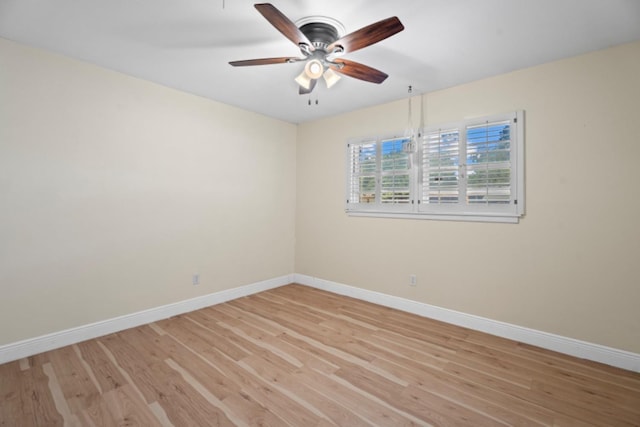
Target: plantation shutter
x,y
395,179
440,167
473,169
363,161
488,163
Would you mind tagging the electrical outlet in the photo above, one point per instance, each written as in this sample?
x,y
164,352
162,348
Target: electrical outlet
x,y
413,280
195,279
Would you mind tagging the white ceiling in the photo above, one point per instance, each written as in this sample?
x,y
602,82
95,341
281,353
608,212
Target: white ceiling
x,y
187,44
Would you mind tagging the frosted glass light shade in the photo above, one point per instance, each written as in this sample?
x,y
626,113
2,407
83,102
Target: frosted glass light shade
x,y
314,69
330,77
303,80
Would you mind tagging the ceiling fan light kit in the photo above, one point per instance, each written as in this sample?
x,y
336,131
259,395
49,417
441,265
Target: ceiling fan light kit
x,y
314,69
330,77
321,42
304,79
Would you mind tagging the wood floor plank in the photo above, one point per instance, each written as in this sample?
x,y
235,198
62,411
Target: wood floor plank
x,y
146,340
264,342
77,386
275,341
304,392
277,402
204,392
35,389
58,397
181,402
160,414
24,363
370,381
232,311
10,401
222,386
203,329
497,405
424,353
252,386
425,404
582,407
120,406
133,363
357,401
251,412
184,405
297,356
227,342
127,408
106,373
219,384
295,321
501,368
569,366
528,366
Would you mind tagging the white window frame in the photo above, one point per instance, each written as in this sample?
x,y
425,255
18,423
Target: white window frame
x,y
377,205
419,206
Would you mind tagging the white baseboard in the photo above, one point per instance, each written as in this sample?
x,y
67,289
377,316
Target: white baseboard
x,y
585,350
30,347
598,353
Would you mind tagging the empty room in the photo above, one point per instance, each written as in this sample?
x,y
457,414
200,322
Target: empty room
x,y
330,213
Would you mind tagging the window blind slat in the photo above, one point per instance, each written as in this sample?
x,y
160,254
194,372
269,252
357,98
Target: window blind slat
x,y
440,166
362,161
488,162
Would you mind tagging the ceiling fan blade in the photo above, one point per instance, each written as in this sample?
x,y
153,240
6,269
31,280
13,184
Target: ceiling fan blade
x,y
283,24
368,35
360,71
265,61
312,85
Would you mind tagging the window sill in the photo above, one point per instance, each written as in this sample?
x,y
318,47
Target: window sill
x,y
437,217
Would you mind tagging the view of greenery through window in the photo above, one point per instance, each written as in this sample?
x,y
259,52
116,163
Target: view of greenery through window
x,y
488,163
366,165
394,167
488,167
441,160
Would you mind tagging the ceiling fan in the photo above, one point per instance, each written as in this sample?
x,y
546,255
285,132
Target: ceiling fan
x,y
321,46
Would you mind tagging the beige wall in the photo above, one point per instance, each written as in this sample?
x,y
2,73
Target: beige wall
x,y
114,191
570,267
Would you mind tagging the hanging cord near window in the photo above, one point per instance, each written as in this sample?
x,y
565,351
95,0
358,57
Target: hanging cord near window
x,y
410,145
421,134
409,132
423,114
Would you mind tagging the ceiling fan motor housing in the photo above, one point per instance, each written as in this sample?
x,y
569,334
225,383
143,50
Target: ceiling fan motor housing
x,y
320,34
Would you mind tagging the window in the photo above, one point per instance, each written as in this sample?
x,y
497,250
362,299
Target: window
x,y
471,170
381,175
394,172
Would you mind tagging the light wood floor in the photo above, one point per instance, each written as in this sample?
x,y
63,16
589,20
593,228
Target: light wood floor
x,y
301,357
